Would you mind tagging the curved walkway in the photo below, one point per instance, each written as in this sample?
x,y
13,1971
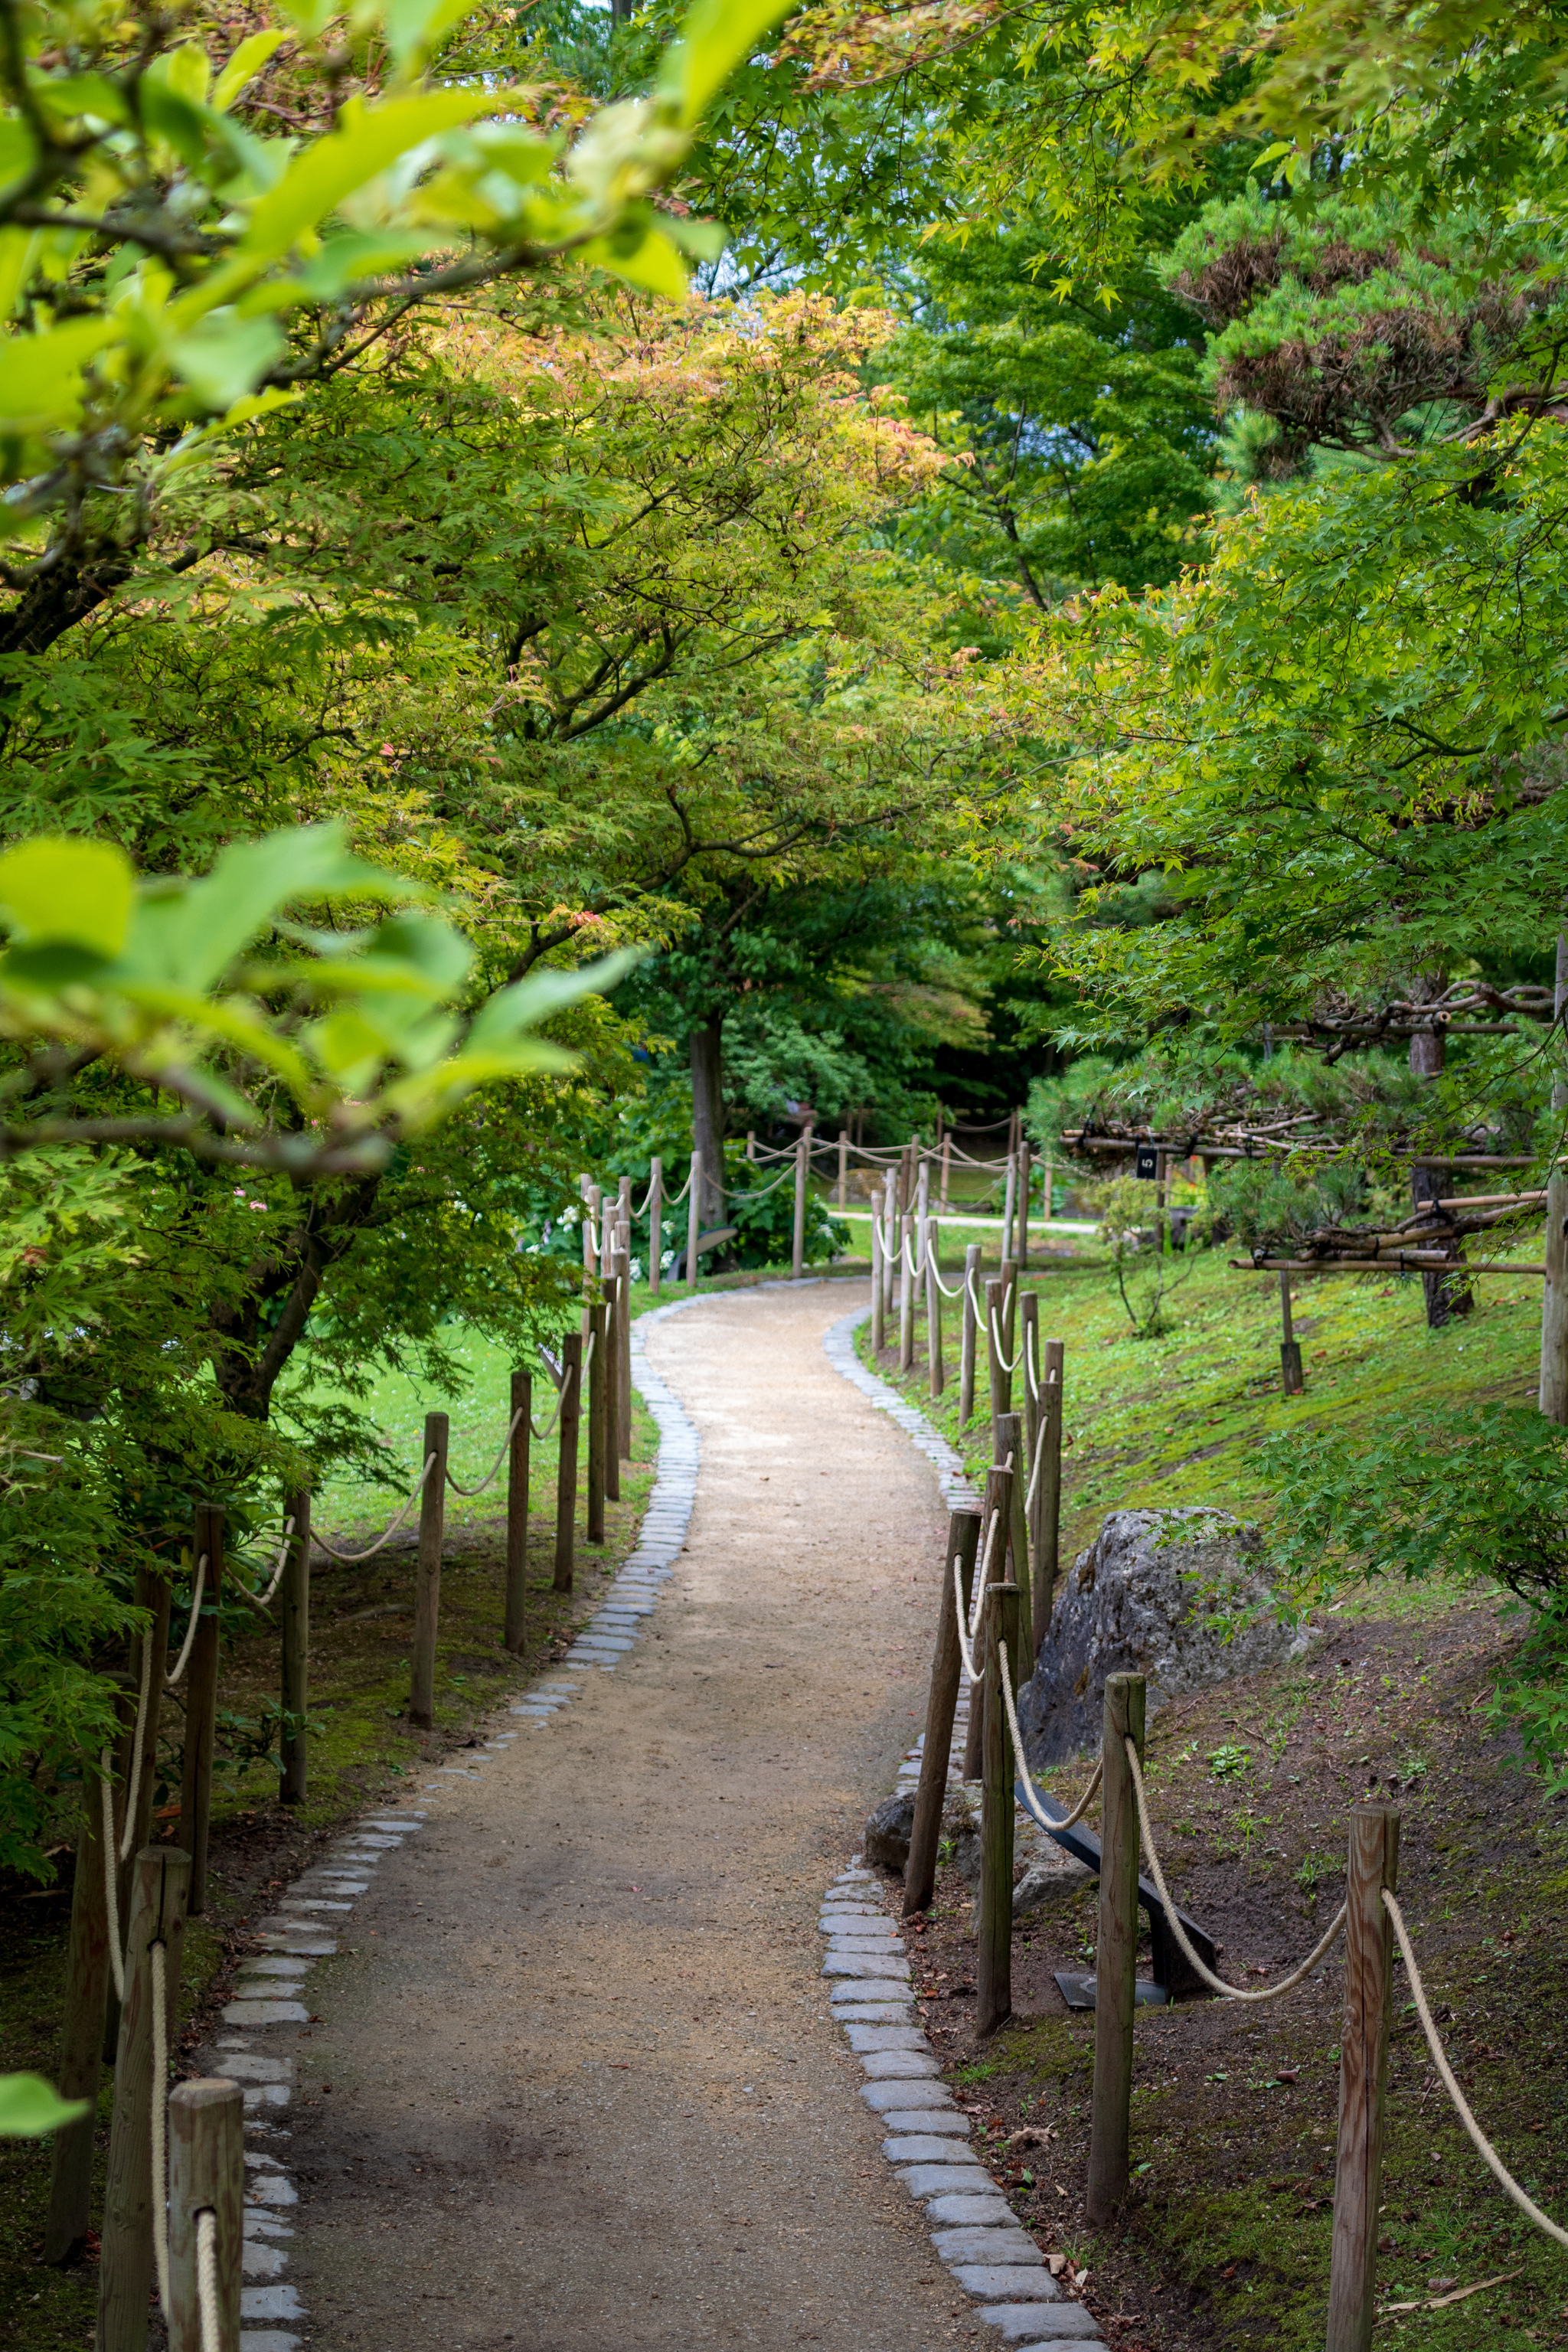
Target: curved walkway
x,y
577,2085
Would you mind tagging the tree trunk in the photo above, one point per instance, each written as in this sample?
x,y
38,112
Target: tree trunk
x,y
1447,1295
708,1116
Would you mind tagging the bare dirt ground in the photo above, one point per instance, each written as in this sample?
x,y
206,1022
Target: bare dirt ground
x,y
577,2085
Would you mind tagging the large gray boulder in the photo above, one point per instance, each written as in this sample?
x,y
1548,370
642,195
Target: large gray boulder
x,y
1156,1593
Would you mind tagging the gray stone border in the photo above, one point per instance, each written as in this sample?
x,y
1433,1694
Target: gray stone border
x,y
303,1928
974,2229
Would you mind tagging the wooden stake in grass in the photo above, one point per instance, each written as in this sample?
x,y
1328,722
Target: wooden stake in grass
x,y
1290,1378
1046,1535
1010,1448
598,1319
925,1834
159,1900
294,1608
427,1571
879,1318
517,1478
906,1293
1116,1953
1025,1174
656,1227
621,1332
797,1242
1029,1323
843,1169
1374,1864
998,1501
968,1335
201,1708
993,1950
206,2175
566,1460
937,1368
996,1354
607,1361
693,1220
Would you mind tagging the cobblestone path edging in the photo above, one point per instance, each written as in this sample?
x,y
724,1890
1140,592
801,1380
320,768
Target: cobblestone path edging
x,y
270,1991
974,2229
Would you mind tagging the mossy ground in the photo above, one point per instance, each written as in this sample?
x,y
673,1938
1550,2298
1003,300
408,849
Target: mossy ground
x,y
1225,2238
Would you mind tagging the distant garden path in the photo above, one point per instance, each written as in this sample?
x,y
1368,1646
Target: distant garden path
x,y
584,2091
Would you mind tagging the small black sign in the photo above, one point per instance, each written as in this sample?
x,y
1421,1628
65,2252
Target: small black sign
x,y
1148,1160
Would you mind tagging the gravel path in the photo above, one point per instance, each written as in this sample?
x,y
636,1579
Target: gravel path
x,y
576,2084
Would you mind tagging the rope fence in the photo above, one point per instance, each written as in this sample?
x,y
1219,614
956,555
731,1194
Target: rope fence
x,y
982,1642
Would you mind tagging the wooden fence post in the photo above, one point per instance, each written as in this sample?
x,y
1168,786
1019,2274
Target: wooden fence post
x,y
159,1896
994,1950
83,2028
621,1332
1046,1190
206,2175
656,1227
906,1293
427,1570
995,1351
1374,1864
607,1358
934,1364
1026,1170
1010,1448
966,1358
843,1169
294,1608
890,1239
598,1323
1291,1379
517,1479
134,1806
566,1461
1010,1202
925,1833
1116,1952
693,1220
1047,1532
201,1708
797,1244
1029,1325
879,1315
998,1498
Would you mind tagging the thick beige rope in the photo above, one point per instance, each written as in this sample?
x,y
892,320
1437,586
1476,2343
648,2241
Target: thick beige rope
x,y
264,1600
501,1457
1219,1984
1039,1460
111,1875
1483,2145
133,1780
184,1657
160,2122
957,1290
1031,1794
1000,1353
207,2282
352,1558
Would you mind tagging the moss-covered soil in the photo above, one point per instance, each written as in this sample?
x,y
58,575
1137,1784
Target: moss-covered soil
x,y
1225,2238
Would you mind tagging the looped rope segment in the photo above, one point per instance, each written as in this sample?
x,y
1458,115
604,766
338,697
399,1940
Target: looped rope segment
x,y
936,1276
264,1600
495,1466
184,1657
133,1778
1483,2145
352,1559
1001,1353
1217,1984
1031,1794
